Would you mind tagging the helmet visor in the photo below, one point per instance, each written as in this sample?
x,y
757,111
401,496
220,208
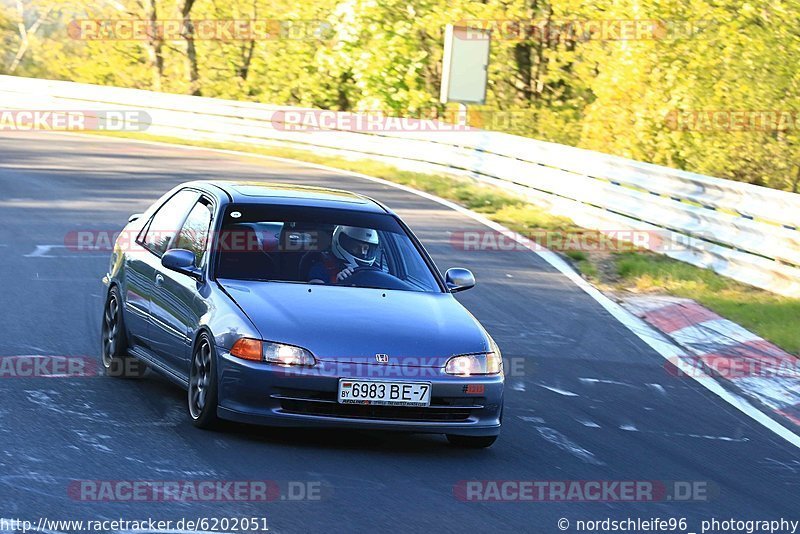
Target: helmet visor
x,y
359,249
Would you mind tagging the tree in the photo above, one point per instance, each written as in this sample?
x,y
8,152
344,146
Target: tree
x,y
549,77
36,13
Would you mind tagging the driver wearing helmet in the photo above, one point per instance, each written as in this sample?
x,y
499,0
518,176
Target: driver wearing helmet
x,y
351,247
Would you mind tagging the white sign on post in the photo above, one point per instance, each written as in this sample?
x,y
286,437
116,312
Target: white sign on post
x,y
465,67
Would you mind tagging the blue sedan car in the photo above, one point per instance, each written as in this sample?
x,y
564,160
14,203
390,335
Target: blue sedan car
x,y
298,306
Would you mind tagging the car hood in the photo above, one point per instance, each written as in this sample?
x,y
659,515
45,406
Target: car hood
x,y
349,324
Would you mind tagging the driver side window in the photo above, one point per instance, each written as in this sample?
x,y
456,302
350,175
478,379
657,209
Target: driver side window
x,y
194,234
167,221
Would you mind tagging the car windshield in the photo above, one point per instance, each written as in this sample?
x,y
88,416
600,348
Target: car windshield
x,y
309,245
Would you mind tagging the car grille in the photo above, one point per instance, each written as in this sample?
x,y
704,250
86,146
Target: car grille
x,y
324,404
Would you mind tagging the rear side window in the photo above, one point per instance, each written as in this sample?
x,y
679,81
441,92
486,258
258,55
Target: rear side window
x,y
194,234
167,221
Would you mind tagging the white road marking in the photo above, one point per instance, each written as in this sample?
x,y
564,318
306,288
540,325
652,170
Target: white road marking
x,y
637,326
531,419
602,381
658,387
38,278
696,436
43,251
559,391
718,438
48,400
564,443
792,466
93,440
587,423
34,349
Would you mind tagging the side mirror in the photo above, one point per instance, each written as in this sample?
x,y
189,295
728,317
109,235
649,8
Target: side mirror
x,y
181,261
458,279
135,217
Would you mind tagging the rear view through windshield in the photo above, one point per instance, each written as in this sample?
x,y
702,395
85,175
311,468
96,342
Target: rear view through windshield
x,y
320,246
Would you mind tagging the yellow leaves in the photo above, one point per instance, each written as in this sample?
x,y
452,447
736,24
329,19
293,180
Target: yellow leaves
x,y
609,94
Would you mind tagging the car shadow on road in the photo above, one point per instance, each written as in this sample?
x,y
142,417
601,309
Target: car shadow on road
x,y
341,439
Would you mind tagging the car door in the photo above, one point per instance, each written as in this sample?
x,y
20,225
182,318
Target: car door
x,y
139,274
180,307
144,267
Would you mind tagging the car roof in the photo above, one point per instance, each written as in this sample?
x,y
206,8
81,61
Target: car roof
x,y
251,192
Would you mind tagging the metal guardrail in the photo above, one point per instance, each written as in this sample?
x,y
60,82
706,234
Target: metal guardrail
x,y
742,231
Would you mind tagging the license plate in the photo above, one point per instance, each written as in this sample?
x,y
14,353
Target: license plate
x,y
384,393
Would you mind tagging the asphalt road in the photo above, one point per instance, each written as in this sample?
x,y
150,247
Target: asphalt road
x,y
589,400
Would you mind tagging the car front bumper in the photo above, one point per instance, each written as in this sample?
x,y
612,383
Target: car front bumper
x,y
260,393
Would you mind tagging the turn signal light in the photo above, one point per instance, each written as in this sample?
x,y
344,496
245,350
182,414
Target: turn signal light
x,y
248,349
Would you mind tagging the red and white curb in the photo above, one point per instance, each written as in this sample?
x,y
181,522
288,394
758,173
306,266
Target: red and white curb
x,y
723,349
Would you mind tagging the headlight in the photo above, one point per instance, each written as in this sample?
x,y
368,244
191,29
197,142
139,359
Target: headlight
x,y
287,355
475,364
277,353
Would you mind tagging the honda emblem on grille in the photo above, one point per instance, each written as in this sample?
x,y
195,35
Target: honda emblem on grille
x,y
382,358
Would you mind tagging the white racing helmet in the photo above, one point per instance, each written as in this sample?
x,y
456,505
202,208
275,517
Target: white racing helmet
x,y
358,247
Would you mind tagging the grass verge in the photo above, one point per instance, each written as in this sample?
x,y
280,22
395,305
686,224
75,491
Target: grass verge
x,y
771,316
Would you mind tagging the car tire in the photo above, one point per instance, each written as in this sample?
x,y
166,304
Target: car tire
x,y
114,355
202,395
471,442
